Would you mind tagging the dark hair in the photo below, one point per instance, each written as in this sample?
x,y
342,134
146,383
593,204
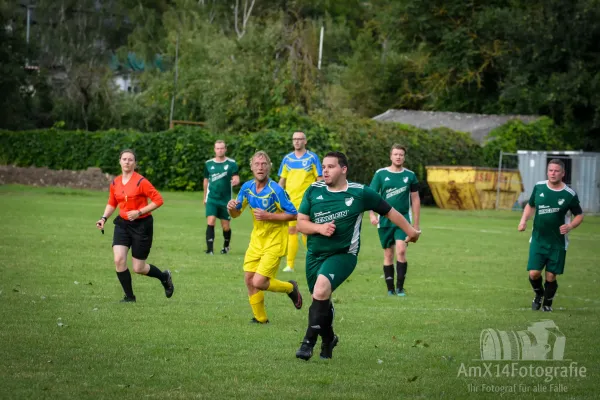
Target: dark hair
x,y
341,157
398,146
557,162
128,151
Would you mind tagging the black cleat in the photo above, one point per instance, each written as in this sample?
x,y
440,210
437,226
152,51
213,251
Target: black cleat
x,y
225,250
210,252
168,285
128,299
255,321
536,304
295,295
547,308
305,351
327,348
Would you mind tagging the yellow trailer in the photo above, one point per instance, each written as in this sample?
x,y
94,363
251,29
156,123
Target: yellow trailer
x,y
474,188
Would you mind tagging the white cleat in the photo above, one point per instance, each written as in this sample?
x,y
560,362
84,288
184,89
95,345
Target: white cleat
x,y
288,269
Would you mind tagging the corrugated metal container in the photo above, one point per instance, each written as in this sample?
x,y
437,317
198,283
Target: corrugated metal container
x,y
473,188
582,174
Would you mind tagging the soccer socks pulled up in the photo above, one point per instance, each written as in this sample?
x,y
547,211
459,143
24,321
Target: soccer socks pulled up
x,y
401,269
388,273
320,318
154,272
278,286
257,302
551,288
537,286
210,237
226,237
292,250
125,280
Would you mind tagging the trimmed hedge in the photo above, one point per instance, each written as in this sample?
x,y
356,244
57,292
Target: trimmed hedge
x,y
175,159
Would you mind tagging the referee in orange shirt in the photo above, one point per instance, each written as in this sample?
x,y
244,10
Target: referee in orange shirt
x,y
130,191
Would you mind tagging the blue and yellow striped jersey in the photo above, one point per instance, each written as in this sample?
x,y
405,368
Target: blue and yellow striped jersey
x,y
299,173
272,198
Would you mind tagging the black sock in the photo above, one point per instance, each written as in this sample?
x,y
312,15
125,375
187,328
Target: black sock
x,y
388,273
318,320
401,268
227,237
125,279
210,237
551,288
537,286
156,273
327,332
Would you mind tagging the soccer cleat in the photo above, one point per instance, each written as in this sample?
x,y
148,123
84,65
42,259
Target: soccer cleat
x,y
128,299
209,252
547,308
225,250
288,269
327,348
400,292
255,321
168,285
536,304
305,351
295,295
391,293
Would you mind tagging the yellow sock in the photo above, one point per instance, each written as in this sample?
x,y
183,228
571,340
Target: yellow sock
x,y
304,239
292,250
280,286
257,302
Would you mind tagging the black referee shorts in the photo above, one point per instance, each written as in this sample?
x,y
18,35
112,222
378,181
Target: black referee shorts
x,y
136,235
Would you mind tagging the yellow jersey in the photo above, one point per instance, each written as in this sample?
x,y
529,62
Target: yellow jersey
x,y
299,174
271,236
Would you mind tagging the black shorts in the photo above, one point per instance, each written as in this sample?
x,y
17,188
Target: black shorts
x,y
134,234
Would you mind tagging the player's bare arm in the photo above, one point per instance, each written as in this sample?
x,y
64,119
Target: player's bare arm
x,y
262,215
232,208
527,214
235,180
310,228
135,214
205,183
415,201
566,228
402,223
282,183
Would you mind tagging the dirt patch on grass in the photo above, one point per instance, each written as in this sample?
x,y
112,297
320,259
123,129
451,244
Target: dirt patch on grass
x,y
91,178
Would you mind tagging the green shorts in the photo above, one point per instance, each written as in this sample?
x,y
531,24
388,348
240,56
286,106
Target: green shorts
x,y
337,268
552,259
217,210
389,235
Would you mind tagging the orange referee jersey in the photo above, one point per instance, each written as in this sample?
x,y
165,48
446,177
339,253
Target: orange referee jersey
x,y
133,195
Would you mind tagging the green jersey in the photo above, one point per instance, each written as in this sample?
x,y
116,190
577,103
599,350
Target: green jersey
x,y
551,208
219,174
395,188
345,208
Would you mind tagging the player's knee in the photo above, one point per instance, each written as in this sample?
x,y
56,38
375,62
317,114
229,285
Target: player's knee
x,y
120,262
139,266
260,282
550,277
322,290
535,274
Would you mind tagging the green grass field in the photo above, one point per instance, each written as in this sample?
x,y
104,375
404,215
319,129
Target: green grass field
x,y
65,335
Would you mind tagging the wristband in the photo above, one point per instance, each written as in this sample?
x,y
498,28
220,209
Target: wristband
x,y
104,218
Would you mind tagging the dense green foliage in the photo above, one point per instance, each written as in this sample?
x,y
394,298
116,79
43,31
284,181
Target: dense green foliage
x,y
238,65
174,159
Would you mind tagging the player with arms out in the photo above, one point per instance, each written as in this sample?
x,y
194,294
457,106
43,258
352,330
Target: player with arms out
x,y
271,211
400,188
331,215
298,170
550,201
220,174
